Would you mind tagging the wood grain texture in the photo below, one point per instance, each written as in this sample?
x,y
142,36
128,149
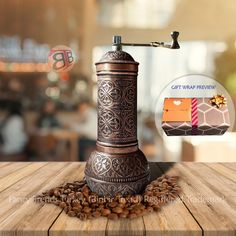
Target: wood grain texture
x,y
39,218
10,167
222,185
65,225
135,226
5,163
225,171
231,166
18,206
212,212
44,215
206,205
173,219
19,174
126,227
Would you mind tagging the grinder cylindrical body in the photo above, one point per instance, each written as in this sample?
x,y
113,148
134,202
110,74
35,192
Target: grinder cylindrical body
x,y
117,166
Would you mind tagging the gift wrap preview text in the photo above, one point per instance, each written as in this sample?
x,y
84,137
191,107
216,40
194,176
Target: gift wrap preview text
x,y
190,87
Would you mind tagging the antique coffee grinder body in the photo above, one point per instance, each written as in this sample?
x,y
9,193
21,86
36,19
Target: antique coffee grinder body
x,y
118,166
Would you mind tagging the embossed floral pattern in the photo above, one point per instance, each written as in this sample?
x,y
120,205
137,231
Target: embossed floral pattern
x,y
117,119
117,167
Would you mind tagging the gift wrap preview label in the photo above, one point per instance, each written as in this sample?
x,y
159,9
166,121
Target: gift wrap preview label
x,y
194,116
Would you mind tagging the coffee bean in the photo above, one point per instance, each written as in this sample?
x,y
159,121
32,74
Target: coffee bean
x,y
77,209
155,183
94,206
68,201
122,215
137,211
117,210
76,199
106,212
57,203
71,213
90,217
62,205
132,215
75,203
100,208
165,185
63,197
56,192
87,209
156,208
79,195
85,203
51,192
66,209
149,209
82,216
85,189
149,188
113,216
129,208
137,206
66,191
86,194
96,214
125,211
113,204
121,205
71,195
149,193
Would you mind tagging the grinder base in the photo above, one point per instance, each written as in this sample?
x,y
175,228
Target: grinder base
x,y
111,174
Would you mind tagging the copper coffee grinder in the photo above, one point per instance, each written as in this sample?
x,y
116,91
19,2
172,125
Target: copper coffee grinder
x,y
118,166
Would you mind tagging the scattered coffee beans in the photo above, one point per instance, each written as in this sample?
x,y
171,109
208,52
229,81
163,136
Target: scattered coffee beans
x,y
77,200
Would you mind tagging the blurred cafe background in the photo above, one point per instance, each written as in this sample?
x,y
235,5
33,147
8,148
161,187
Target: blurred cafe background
x,y
49,116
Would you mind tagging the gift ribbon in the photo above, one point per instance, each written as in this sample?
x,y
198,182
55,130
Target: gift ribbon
x,y
194,116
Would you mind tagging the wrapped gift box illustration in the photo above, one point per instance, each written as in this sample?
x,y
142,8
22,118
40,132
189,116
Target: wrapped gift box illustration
x,y
195,116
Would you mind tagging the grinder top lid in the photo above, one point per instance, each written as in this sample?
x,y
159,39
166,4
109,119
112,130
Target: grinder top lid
x,y
117,55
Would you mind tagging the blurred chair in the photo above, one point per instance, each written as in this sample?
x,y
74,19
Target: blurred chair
x,y
54,145
64,136
42,146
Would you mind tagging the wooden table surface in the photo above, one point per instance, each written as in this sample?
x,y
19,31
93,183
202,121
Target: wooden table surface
x,y
206,206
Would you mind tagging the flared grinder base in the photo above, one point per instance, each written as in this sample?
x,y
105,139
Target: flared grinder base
x,y
111,174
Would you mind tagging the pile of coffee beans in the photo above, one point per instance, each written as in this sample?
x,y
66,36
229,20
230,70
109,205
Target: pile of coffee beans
x,y
77,200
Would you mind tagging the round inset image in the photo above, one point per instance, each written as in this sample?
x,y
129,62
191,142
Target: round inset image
x,y
194,105
61,58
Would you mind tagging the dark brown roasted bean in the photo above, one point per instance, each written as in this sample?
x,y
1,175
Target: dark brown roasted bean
x,y
113,216
76,199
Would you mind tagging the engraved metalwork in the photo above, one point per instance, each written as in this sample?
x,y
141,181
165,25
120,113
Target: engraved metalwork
x,y
117,166
117,110
104,188
117,56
